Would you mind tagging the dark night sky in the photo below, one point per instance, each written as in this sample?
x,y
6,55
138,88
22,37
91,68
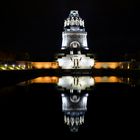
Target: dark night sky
x,y
36,26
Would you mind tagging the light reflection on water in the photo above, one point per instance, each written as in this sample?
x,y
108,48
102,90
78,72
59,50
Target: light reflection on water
x,y
75,93
77,103
97,79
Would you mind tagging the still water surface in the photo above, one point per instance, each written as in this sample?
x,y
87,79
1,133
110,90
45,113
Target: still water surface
x,y
77,104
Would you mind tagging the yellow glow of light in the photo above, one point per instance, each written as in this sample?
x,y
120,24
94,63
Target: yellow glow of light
x,y
98,79
2,68
114,79
46,79
45,65
54,65
111,65
110,79
98,65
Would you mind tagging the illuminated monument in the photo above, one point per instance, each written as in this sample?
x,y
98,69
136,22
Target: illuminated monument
x,y
74,50
74,99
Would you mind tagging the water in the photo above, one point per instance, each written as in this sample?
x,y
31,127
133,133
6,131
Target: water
x,y
75,105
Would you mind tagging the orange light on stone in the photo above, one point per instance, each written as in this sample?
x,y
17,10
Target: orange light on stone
x,y
98,65
54,65
113,65
45,65
106,65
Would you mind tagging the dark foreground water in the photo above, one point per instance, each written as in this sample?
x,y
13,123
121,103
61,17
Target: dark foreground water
x,y
72,106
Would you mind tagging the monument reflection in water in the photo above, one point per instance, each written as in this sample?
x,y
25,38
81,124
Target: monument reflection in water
x,y
75,92
74,99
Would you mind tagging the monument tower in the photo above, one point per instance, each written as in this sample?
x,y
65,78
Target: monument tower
x,y
74,50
